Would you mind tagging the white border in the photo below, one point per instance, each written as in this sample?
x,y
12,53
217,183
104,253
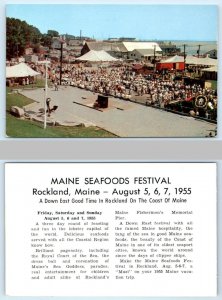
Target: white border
x,y
3,3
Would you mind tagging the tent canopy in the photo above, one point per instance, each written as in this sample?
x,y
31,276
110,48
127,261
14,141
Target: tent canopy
x,y
212,69
192,60
20,70
173,59
204,61
96,56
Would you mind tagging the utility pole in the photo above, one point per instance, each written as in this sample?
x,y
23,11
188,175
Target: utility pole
x,y
198,51
17,50
154,58
46,62
80,35
46,91
184,56
61,57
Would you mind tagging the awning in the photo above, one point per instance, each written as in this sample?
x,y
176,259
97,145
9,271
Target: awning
x,y
173,59
204,61
97,56
20,70
212,69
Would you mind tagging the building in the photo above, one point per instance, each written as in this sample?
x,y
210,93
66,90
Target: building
x,y
172,63
116,49
144,54
211,53
74,47
121,49
113,40
31,58
169,48
56,43
122,39
127,39
75,42
130,46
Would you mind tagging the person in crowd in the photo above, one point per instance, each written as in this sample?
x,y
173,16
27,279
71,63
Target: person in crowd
x,y
56,86
122,82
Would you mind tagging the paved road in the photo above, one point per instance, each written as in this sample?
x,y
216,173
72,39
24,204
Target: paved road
x,y
123,118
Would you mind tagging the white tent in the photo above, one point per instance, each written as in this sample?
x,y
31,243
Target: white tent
x,y
192,60
173,59
204,61
212,69
106,56
96,56
20,70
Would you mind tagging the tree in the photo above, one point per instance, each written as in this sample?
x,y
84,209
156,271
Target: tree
x,y
46,40
36,48
19,34
53,33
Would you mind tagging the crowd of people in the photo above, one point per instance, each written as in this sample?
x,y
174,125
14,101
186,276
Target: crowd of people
x,y
122,82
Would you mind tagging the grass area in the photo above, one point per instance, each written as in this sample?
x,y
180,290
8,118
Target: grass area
x,y
29,129
14,99
40,83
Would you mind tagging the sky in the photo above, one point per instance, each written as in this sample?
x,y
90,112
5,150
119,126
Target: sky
x,y
152,22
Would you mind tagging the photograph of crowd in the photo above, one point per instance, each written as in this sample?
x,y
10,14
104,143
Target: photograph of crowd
x,y
139,83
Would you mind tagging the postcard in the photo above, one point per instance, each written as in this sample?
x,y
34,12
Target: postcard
x,y
111,71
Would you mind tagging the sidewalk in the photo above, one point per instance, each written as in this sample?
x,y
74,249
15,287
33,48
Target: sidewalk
x,y
123,118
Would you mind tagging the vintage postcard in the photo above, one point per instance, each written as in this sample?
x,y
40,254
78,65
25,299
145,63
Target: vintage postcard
x,y
111,71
